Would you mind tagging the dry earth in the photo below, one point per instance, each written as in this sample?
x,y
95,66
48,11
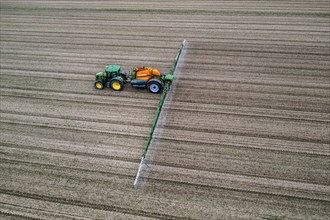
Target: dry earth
x,y
245,129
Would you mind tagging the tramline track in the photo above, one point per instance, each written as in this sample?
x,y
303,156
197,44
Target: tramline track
x,y
86,204
229,40
250,179
203,26
247,198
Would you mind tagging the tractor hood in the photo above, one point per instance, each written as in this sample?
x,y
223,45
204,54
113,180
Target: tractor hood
x,y
100,75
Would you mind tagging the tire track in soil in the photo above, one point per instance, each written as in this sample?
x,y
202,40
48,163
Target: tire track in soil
x,y
82,98
182,25
230,41
89,205
33,148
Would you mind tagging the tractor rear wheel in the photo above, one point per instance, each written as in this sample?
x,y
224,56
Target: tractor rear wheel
x,y
116,85
99,84
154,86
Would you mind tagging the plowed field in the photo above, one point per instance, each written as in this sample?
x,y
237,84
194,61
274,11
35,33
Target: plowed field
x,y
244,132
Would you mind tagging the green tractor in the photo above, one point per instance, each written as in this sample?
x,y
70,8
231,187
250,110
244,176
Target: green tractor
x,y
140,77
111,77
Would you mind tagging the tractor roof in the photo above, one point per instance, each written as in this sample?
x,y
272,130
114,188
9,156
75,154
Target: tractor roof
x,y
112,68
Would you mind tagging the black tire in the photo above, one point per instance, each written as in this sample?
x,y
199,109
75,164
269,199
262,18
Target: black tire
x,y
155,86
116,85
99,84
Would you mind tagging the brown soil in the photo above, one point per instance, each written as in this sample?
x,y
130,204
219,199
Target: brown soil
x,y
244,133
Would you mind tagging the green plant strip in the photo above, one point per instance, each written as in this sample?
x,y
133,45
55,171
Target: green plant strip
x,y
161,101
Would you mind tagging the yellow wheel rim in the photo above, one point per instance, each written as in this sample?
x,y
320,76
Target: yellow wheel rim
x,y
98,85
116,85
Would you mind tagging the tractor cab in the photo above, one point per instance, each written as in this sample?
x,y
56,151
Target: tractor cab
x,y
112,71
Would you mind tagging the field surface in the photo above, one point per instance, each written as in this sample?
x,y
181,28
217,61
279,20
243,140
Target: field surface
x,y
244,132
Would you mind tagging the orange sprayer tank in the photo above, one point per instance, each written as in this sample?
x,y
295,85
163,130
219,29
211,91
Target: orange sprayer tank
x,y
146,73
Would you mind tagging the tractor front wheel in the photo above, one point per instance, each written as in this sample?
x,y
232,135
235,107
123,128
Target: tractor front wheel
x,y
116,85
99,84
